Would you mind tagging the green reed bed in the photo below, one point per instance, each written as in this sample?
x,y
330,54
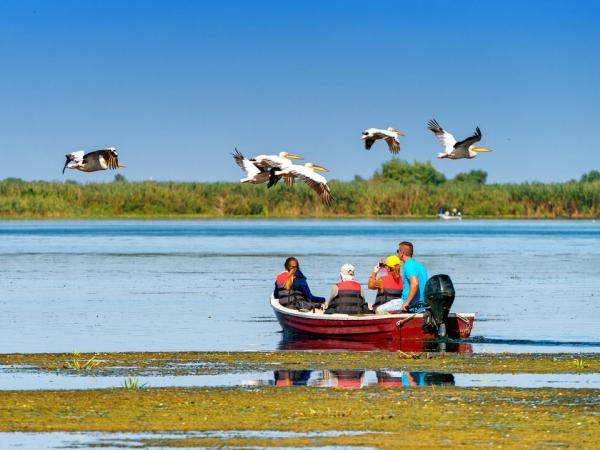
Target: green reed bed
x,y
399,189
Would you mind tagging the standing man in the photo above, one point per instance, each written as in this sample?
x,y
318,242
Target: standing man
x,y
414,276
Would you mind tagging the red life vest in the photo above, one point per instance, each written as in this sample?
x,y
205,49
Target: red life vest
x,y
348,300
287,297
391,289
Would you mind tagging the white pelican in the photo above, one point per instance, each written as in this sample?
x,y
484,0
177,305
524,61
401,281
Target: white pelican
x,y
275,162
107,158
315,181
390,136
254,175
453,149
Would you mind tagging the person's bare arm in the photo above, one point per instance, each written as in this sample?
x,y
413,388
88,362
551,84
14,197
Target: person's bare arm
x,y
289,280
373,282
414,288
333,293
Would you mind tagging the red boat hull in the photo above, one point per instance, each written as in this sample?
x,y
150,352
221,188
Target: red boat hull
x,y
367,328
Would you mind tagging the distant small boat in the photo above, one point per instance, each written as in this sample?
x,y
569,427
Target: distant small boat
x,y
367,327
447,216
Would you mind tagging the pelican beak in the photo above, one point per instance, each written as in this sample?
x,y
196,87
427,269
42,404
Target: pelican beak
x,y
320,169
293,156
481,149
122,165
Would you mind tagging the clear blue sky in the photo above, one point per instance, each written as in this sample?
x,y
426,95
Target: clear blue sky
x,y
175,85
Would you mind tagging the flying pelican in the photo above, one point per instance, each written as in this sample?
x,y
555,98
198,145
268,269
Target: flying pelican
x,y
453,149
390,136
315,181
107,158
254,175
275,162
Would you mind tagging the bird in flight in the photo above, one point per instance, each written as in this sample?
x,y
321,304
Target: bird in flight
x,y
453,149
390,136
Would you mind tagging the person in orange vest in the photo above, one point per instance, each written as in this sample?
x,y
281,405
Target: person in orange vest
x,y
347,296
390,285
291,288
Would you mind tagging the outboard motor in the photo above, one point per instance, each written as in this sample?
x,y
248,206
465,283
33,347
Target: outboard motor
x,y
439,295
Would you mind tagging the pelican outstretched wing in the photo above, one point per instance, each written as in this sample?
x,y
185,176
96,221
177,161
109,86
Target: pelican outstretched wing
x,y
445,138
109,154
316,182
369,143
393,144
245,164
476,137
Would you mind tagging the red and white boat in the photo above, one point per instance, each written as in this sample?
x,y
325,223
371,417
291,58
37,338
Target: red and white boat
x,y
371,327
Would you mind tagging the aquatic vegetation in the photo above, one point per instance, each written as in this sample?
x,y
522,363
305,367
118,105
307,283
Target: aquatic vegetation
x,y
446,417
133,383
579,364
78,364
182,363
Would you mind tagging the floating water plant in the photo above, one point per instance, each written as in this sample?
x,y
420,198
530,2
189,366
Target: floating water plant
x,y
133,383
84,364
579,363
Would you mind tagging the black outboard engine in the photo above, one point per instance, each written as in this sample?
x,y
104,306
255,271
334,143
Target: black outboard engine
x,y
439,295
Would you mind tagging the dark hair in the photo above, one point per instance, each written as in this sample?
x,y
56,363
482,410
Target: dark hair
x,y
288,261
407,248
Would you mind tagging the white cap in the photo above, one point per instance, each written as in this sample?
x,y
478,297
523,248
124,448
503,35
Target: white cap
x,y
347,272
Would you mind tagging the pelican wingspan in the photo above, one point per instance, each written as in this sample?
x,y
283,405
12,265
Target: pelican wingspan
x,y
393,144
245,164
316,182
109,155
476,137
446,139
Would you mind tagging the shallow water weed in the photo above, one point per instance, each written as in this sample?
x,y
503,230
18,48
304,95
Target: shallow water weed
x,y
77,364
579,364
133,383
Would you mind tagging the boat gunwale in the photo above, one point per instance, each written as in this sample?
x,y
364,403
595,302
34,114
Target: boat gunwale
x,y
345,317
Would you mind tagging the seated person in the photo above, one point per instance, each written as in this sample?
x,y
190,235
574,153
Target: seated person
x,y
347,296
389,286
291,288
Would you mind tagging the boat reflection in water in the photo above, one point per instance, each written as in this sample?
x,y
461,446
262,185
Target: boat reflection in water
x,y
355,379
298,342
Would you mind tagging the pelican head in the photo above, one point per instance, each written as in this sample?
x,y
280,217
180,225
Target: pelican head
x,y
289,156
315,167
393,130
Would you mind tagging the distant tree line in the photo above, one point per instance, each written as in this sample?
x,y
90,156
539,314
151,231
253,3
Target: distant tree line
x,y
397,189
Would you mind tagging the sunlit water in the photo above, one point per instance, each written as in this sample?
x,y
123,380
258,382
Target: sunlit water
x,y
205,285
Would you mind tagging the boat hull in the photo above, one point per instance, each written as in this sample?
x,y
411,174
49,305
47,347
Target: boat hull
x,y
374,327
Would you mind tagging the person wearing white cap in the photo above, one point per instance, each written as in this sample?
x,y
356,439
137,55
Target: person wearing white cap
x,y
347,296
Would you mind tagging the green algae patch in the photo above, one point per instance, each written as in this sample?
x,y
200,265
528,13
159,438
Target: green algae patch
x,y
413,417
182,363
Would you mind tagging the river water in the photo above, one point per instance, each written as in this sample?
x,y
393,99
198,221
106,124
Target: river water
x,y
150,285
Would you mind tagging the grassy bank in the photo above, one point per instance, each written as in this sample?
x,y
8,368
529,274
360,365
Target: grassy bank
x,y
174,363
399,190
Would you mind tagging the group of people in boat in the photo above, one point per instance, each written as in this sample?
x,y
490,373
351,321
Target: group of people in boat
x,y
400,289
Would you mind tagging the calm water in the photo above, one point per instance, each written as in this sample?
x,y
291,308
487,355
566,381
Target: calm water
x,y
205,285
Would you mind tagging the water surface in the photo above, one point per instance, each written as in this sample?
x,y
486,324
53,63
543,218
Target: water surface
x,y
150,285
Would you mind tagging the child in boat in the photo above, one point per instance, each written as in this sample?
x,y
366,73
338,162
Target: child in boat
x,y
347,296
291,288
389,286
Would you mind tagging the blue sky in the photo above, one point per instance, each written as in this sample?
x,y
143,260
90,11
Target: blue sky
x,y
175,85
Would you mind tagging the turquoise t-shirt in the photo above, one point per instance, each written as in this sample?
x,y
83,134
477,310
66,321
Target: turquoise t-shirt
x,y
410,269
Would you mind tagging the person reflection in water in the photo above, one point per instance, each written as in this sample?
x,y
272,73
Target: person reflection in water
x,y
291,288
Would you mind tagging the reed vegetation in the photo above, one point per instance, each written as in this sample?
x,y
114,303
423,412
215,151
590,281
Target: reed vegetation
x,y
398,189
